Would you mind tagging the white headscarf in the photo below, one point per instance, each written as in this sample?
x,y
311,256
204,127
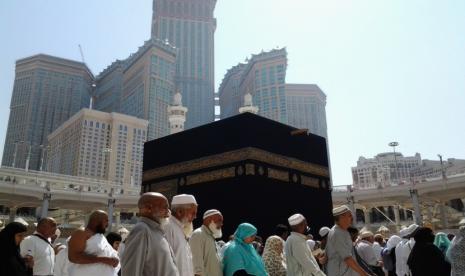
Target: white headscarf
x,y
311,244
393,242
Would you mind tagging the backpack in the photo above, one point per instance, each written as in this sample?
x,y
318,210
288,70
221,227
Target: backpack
x,y
389,258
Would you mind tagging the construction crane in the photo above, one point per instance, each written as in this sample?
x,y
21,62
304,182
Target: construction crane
x,y
92,92
82,53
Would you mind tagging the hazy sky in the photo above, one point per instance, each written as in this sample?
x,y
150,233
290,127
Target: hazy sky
x,y
392,70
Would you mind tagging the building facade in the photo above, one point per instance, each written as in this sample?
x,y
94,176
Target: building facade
x,y
141,86
306,108
385,169
189,25
230,96
107,146
264,77
437,168
47,91
148,85
108,88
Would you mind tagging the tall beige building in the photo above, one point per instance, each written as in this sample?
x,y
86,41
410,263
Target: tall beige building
x,y
101,145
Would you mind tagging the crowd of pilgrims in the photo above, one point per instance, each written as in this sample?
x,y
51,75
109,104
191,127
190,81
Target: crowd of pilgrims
x,y
164,243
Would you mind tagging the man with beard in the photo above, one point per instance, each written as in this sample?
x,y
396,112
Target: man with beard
x,y
147,251
179,230
89,252
299,258
202,242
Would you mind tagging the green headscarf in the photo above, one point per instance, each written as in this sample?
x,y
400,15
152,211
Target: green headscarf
x,y
442,242
242,256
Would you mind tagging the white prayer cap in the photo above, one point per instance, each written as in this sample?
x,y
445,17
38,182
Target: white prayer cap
x,y
366,234
403,233
411,229
340,210
210,213
295,219
324,231
183,199
462,222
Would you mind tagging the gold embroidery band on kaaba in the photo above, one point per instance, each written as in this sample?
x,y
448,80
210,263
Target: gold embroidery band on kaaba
x,y
225,158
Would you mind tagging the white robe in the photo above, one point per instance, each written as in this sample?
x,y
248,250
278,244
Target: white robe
x,y
403,250
147,252
61,263
181,249
96,245
299,257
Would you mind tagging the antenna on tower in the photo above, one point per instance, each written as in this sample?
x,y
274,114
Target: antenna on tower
x,y
82,53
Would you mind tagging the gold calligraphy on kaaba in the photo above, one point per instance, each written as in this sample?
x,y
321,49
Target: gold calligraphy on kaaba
x,y
250,153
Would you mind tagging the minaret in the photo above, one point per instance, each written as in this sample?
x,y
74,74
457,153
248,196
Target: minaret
x,y
248,107
177,114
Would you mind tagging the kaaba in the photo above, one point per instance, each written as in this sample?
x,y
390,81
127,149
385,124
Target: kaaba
x,y
251,168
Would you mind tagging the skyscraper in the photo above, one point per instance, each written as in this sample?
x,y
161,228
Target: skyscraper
x,y
306,108
47,91
264,77
141,86
108,88
189,25
148,85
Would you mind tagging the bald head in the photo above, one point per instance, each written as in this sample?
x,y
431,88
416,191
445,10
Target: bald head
x,y
149,199
44,221
153,206
47,227
98,221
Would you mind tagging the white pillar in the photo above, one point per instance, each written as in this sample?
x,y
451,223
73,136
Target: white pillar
x,y
351,203
111,206
366,213
13,211
45,204
397,216
117,220
444,220
429,210
416,206
28,158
